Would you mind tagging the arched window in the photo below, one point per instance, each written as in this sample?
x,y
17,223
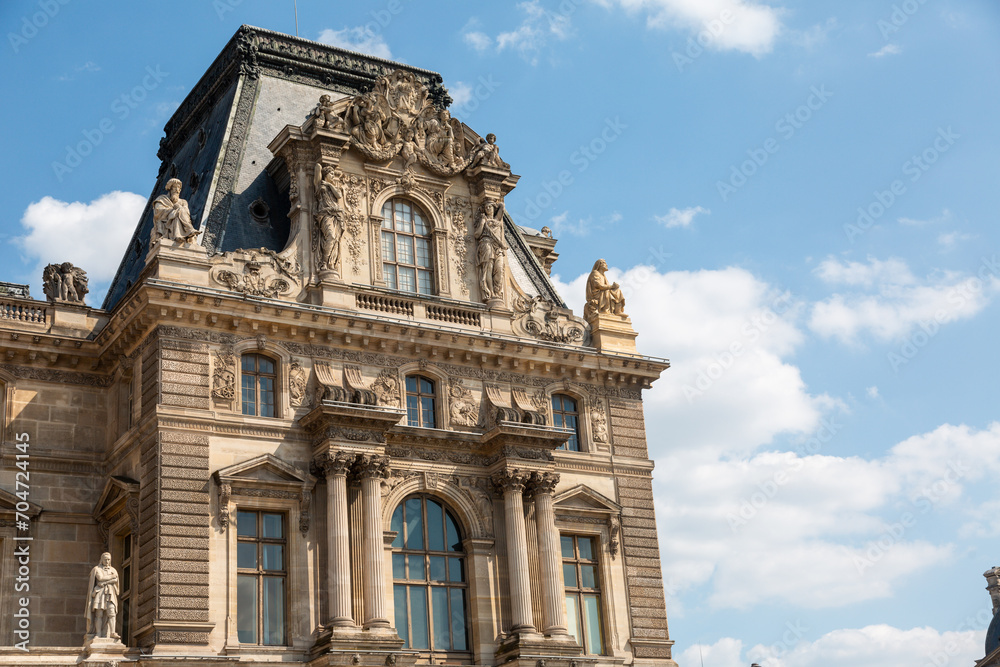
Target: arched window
x,y
407,264
420,401
430,588
566,415
259,376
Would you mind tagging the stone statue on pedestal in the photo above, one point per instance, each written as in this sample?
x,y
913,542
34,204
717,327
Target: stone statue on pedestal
x,y
491,250
102,600
602,296
64,282
171,217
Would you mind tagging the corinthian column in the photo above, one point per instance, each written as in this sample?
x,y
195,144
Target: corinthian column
x,y
371,470
542,486
335,467
511,484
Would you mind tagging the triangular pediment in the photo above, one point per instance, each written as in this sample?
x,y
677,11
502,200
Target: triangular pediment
x,y
265,469
9,501
582,498
116,490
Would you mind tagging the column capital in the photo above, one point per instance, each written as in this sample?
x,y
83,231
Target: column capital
x,y
372,466
510,479
332,463
543,483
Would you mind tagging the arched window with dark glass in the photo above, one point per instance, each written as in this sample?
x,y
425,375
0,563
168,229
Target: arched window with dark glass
x,y
566,415
429,576
420,401
259,377
407,263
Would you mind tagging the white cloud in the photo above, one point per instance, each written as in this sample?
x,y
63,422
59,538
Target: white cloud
x,y
872,392
913,222
680,217
949,240
58,231
887,50
870,646
741,25
359,39
561,224
460,93
891,302
537,27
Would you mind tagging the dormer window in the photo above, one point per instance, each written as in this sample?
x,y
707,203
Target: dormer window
x,y
407,264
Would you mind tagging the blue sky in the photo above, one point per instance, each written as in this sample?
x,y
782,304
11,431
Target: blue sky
x,y
800,198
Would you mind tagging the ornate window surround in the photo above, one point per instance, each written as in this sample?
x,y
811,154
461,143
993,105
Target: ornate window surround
x,y
583,407
439,237
442,409
484,625
583,511
267,483
117,514
282,361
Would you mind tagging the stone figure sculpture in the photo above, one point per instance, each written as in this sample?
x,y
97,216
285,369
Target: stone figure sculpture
x,y
64,282
325,115
329,215
171,217
603,297
487,153
491,250
102,599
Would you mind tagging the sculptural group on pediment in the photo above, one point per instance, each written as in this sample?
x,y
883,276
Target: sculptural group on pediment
x,y
398,117
64,282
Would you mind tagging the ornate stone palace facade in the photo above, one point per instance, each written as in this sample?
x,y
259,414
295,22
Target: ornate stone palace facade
x,y
332,411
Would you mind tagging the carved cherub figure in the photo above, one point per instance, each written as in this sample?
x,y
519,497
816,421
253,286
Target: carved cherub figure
x,y
487,152
325,115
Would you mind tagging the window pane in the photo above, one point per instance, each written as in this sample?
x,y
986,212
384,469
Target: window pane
x,y
248,363
403,223
425,284
246,524
427,411
246,608
439,568
389,273
387,214
418,616
274,610
592,622
273,526
413,411
407,279
586,548
458,639
388,247
456,569
417,567
398,566
435,527
273,556
266,397
414,525
569,405
588,577
397,526
411,383
265,365
246,555
404,249
399,603
423,247
566,542
426,386
419,225
573,618
439,607
454,544
249,384
569,574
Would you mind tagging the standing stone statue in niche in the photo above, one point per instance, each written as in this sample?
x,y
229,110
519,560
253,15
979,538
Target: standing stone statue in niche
x,y
602,296
491,250
329,215
102,600
171,217
64,282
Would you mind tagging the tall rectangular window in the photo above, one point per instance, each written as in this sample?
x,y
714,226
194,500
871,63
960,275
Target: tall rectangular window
x,y
258,385
583,592
261,578
566,415
125,586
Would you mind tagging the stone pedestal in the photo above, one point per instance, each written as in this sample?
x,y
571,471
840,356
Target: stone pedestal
x,y
180,262
612,333
103,649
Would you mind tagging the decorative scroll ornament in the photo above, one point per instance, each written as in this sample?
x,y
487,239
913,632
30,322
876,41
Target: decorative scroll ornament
x,y
464,408
265,273
64,283
225,493
599,421
297,382
399,117
614,528
461,239
527,406
224,377
539,318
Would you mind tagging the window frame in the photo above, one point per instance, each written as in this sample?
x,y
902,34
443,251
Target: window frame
x,y
439,655
578,413
434,395
579,591
127,582
276,377
433,268
259,573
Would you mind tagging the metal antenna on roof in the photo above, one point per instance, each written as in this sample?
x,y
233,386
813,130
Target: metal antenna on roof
x,y
295,4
